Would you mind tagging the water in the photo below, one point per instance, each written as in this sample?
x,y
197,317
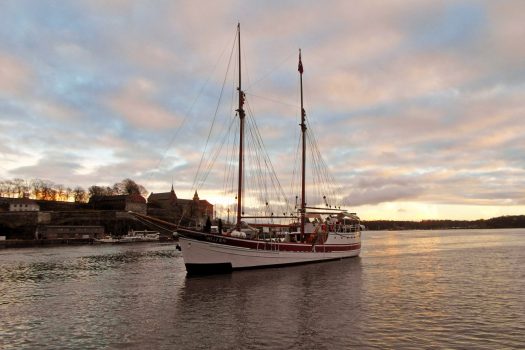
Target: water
x,y
408,290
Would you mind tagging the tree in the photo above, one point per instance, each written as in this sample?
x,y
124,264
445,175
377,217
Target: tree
x,y
8,188
60,192
37,186
19,187
96,191
68,192
128,186
48,191
79,194
3,188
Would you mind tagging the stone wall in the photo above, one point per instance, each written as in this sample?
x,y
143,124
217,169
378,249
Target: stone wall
x,y
22,225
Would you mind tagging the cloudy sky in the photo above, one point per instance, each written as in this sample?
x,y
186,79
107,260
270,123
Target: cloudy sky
x,y
418,105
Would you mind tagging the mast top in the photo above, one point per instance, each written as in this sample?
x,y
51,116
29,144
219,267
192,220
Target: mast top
x,y
300,68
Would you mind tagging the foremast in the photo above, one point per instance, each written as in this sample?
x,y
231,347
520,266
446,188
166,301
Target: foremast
x,y
241,113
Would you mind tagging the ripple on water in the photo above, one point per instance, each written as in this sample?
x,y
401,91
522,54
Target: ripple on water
x,y
408,290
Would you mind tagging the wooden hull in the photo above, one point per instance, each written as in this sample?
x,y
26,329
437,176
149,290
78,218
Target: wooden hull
x,y
207,253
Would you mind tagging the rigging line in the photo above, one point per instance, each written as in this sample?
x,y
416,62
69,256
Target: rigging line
x,y
325,178
257,187
228,162
197,184
229,169
234,150
272,100
255,170
313,162
215,154
265,156
150,224
322,169
230,158
294,169
213,159
298,135
246,70
270,72
188,112
298,140
263,176
330,179
316,169
271,174
256,177
214,117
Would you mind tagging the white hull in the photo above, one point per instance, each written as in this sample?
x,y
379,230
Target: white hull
x,y
204,253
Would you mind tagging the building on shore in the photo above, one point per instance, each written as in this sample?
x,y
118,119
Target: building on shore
x,y
167,206
18,204
125,202
68,232
54,205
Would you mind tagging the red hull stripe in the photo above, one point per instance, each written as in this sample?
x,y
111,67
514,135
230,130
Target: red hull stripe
x,y
264,245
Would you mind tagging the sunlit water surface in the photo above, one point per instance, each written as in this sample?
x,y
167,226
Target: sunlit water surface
x,y
461,289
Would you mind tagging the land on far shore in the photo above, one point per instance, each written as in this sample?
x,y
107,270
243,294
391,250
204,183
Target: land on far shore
x,y
511,221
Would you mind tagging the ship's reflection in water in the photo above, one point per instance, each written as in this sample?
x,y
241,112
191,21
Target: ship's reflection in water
x,y
273,308
418,289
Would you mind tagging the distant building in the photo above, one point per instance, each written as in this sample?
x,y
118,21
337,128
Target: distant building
x,y
68,232
168,206
164,200
49,205
124,202
18,204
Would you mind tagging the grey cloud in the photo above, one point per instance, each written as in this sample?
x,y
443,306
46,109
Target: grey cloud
x,y
409,101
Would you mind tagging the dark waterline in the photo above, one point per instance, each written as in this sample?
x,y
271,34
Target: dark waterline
x,y
408,290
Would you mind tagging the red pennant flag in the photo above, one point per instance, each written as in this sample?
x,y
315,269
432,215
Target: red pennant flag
x,y
300,63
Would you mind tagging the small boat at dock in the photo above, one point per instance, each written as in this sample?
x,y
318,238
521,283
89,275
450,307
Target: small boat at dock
x,y
132,237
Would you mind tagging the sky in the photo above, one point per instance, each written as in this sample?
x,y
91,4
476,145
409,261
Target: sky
x,y
418,105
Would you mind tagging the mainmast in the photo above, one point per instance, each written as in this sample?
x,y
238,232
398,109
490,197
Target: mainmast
x,y
303,169
241,113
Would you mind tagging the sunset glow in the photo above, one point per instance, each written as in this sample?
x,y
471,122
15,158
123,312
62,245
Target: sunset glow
x,y
418,106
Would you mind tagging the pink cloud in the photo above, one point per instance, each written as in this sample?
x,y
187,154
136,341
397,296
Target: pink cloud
x,y
135,104
15,76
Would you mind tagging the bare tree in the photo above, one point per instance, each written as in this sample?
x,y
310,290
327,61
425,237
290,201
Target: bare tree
x,y
99,191
79,194
59,192
48,190
37,186
128,186
9,188
68,192
53,194
19,187
3,188
143,191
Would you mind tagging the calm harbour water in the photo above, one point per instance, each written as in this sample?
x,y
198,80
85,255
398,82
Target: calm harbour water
x,y
461,289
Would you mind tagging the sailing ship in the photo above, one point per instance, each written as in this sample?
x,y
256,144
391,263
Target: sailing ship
x,y
318,233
